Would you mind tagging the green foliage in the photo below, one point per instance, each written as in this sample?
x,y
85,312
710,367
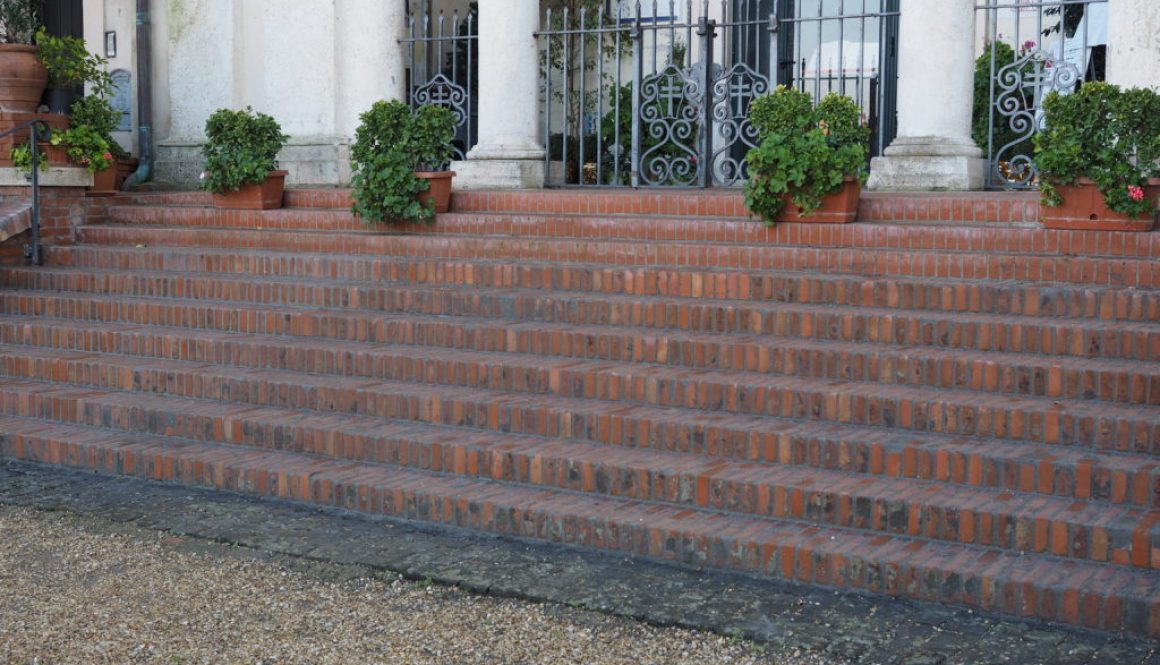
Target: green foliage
x,y
19,20
1104,133
85,147
70,63
805,152
241,148
22,159
96,113
391,143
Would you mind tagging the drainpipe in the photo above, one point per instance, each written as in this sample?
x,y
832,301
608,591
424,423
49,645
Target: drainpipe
x,y
144,97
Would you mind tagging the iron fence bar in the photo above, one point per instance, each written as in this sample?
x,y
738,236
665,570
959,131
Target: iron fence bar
x,y
707,30
638,76
548,101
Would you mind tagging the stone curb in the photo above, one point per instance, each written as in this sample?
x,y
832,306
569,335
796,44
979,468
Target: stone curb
x,y
858,628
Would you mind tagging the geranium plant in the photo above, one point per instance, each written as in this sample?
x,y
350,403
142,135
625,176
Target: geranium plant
x,y
85,147
805,152
241,149
391,143
1101,132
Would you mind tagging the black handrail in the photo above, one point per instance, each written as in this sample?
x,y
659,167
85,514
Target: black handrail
x,y
32,250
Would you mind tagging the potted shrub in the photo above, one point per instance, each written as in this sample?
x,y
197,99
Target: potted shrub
x,y
241,163
22,75
85,146
810,162
1099,159
399,160
98,118
70,66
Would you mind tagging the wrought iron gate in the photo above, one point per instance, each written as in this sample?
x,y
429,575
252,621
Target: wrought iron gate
x,y
442,68
1031,48
657,93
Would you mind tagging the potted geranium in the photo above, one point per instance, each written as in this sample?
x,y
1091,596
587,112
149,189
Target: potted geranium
x,y
25,76
1099,159
85,146
241,162
811,160
399,160
97,116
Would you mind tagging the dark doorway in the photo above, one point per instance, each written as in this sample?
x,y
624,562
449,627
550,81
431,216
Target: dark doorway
x,y
64,18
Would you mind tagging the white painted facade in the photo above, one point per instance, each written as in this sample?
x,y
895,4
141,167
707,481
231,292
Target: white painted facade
x,y
315,65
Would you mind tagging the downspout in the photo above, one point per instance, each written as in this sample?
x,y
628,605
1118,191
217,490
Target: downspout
x,y
144,97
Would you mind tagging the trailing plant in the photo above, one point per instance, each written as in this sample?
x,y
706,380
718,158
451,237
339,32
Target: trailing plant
x,y
241,149
69,63
391,143
85,147
805,152
22,158
19,20
1104,133
97,113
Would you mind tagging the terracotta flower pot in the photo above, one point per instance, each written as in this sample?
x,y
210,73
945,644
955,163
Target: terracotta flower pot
x,y
438,189
22,78
104,182
263,196
841,207
1083,209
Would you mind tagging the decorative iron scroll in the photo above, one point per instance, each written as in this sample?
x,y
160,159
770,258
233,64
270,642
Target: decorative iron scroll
x,y
733,91
442,91
1020,89
669,103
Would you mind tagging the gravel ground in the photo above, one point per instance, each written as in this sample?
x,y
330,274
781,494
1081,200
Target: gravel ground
x,y
76,590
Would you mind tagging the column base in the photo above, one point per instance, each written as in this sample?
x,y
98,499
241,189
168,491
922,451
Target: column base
x,y
498,174
928,164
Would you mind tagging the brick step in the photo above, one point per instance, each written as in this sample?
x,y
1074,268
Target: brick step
x,y
45,292
1010,298
1015,466
1042,586
1090,530
477,353
731,413
942,261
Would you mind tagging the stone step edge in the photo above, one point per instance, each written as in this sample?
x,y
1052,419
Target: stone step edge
x,y
1077,593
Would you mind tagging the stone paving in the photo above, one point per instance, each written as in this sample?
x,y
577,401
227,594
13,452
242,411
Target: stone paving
x,y
844,626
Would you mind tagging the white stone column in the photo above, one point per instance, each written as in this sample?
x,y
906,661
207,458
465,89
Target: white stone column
x,y
509,154
934,149
370,59
1134,43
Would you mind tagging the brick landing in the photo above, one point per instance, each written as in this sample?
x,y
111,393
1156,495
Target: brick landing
x,y
961,412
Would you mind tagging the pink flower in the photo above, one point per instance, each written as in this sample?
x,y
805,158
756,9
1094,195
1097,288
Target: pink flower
x,y
108,156
1029,44
1136,193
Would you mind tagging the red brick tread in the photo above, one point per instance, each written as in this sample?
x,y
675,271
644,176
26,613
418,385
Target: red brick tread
x,y
519,407
1056,470
1007,520
1056,589
490,347
984,332
1141,271
1010,298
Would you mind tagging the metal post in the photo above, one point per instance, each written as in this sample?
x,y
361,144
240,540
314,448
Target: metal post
x,y
35,250
706,30
638,69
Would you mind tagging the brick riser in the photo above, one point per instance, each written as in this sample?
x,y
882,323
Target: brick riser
x,y
982,443
1142,272
218,300
1057,590
1117,535
1078,301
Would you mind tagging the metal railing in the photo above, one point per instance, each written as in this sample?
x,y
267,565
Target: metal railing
x,y
657,93
1031,49
32,249
443,64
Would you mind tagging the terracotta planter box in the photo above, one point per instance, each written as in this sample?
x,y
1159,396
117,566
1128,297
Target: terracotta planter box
x,y
104,182
1083,209
841,207
264,196
438,189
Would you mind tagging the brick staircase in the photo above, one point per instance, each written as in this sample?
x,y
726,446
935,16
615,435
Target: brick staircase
x,y
960,412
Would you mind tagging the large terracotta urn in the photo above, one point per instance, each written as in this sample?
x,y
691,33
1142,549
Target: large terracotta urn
x,y
22,78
